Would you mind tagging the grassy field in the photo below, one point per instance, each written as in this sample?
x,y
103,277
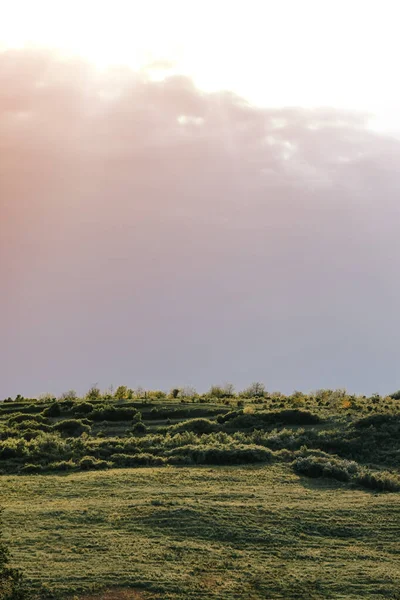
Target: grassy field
x,y
223,532
259,497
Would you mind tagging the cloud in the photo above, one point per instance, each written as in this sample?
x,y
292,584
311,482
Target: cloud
x,y
156,234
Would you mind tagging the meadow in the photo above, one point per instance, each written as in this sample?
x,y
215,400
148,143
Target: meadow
x,y
220,495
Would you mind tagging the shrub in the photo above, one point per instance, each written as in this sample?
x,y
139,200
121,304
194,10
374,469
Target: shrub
x,y
219,455
71,427
54,410
21,417
382,481
48,446
31,434
318,466
139,428
137,417
47,397
112,413
229,415
157,394
63,465
284,455
30,468
83,408
89,462
195,425
31,426
378,420
292,417
241,420
182,412
13,448
66,405
137,460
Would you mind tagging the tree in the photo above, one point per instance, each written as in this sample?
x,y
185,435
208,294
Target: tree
x,y
140,392
188,392
229,390
94,393
11,581
121,393
222,391
70,395
255,390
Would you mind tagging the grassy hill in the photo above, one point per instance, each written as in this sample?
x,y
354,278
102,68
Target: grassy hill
x,y
208,497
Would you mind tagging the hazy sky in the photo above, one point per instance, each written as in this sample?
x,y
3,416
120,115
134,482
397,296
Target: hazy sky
x,y
194,195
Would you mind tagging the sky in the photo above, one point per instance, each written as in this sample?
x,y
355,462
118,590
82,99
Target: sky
x,y
193,193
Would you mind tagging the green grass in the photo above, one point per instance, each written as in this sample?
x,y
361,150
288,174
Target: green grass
x,y
224,532
298,523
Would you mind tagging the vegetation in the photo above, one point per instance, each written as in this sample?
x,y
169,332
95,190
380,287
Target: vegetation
x,y
12,585
219,479
251,531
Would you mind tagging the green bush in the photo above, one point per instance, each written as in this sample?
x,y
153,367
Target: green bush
x,y
89,462
139,428
137,417
47,447
219,455
382,481
31,468
22,417
13,448
63,465
261,419
284,455
72,427
54,410
31,434
378,420
67,404
137,460
318,466
182,412
291,417
112,413
223,418
82,408
196,425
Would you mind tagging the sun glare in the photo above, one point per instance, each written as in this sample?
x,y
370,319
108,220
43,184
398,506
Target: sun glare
x,y
273,52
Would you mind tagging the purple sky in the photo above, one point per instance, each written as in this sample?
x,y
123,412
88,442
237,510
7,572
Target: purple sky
x,y
153,234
